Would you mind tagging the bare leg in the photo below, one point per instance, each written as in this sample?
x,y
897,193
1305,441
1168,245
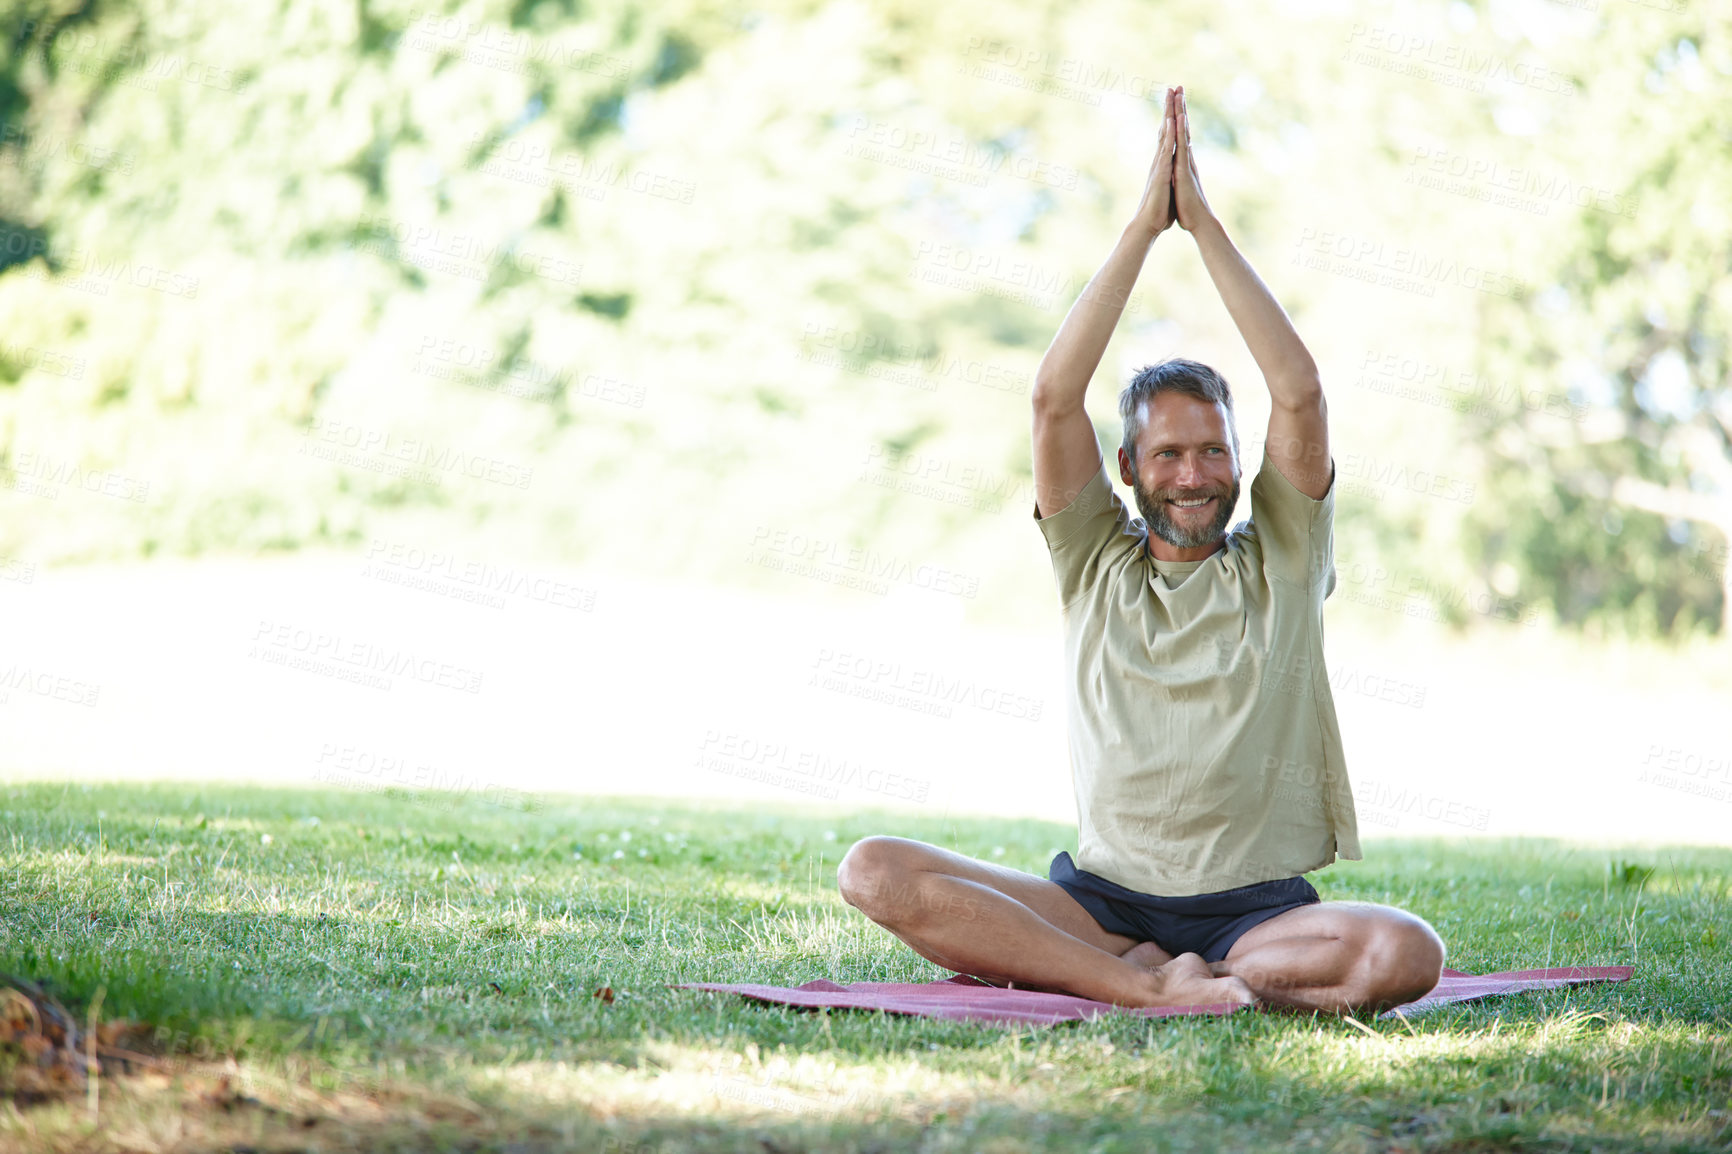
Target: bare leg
x,y
1007,926
1147,954
1337,957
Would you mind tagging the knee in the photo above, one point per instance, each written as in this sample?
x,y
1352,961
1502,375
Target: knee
x,y
1410,960
866,877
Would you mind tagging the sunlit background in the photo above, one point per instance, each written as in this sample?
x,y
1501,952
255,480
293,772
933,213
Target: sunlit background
x,y
634,398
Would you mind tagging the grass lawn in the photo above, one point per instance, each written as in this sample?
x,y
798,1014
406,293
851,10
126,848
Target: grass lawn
x,y
334,971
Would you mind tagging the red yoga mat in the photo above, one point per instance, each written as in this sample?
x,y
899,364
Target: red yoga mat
x,y
966,999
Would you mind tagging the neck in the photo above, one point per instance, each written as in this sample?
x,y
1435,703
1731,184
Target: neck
x,y
1160,550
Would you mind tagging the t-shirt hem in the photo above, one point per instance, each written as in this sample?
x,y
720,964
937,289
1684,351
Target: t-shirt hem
x,y
1217,884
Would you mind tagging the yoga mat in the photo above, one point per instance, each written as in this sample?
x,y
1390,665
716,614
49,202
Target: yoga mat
x,y
966,999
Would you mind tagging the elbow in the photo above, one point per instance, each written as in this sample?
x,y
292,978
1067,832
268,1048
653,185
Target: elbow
x,y
1302,393
1049,398
1040,395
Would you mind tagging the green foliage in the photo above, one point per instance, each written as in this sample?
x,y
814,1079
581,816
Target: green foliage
x,y
1632,336
631,254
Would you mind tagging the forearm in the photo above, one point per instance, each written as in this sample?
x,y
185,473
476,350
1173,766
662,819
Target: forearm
x,y
1064,374
1286,364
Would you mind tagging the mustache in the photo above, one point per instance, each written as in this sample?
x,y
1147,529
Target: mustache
x,y
1222,491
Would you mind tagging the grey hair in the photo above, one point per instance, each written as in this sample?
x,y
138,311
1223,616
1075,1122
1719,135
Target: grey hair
x,y
1173,375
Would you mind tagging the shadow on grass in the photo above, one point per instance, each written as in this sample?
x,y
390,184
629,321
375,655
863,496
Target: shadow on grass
x,y
412,976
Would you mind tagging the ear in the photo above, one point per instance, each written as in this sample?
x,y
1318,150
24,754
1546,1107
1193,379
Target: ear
x,y
1126,474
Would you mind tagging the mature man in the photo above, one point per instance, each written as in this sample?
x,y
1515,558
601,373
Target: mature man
x,y
1207,761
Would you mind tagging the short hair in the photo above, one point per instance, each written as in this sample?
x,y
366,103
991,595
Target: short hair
x,y
1173,375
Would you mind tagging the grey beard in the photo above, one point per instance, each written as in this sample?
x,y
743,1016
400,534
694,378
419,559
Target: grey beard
x,y
1153,507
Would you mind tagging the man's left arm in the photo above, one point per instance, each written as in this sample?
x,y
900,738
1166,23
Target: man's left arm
x,y
1298,419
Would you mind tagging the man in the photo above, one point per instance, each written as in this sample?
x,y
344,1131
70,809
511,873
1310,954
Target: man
x,y
1207,762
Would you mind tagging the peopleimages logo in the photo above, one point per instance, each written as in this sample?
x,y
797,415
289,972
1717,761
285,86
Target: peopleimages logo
x,y
464,254
43,475
905,363
381,450
1424,56
1510,186
88,269
853,566
922,690
789,767
346,659
43,683
436,571
356,767
1405,269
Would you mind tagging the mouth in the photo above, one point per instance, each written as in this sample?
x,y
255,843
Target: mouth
x,y
1192,503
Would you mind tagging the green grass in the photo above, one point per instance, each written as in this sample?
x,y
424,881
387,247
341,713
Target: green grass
x,y
405,973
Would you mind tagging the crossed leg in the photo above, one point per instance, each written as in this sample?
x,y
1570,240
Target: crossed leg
x,y
1006,926
1337,957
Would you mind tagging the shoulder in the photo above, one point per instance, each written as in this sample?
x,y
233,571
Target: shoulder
x,y
1272,489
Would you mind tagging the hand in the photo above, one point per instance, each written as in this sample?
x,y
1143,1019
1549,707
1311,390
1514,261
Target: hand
x,y
1189,206
1155,212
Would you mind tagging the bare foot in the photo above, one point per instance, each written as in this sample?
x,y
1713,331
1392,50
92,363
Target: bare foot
x,y
1186,981
1147,955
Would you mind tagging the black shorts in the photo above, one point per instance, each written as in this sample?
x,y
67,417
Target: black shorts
x,y
1205,924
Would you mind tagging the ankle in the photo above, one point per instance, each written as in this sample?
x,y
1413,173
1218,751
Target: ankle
x,y
1146,988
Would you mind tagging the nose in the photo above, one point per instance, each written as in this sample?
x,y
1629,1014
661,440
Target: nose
x,y
1190,472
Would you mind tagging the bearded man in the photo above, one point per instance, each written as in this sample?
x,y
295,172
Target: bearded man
x,y
1205,753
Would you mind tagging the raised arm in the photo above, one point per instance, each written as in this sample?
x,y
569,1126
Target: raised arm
x,y
1066,453
1298,418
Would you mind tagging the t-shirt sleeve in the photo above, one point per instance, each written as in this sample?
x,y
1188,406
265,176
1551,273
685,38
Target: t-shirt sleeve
x,y
1081,535
1297,534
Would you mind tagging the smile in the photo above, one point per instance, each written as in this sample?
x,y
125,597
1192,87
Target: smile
x,y
1193,504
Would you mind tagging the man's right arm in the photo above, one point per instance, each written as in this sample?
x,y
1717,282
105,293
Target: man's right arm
x,y
1067,454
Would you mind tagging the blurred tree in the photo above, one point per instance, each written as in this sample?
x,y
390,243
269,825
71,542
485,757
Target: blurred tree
x,y
1612,455
684,267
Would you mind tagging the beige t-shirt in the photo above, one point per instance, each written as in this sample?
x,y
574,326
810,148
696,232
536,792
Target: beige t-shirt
x,y
1204,747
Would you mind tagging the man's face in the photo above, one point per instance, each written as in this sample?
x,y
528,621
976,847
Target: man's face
x,y
1187,478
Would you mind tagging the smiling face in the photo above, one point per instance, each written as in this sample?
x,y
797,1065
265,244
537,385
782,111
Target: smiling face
x,y
1186,476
